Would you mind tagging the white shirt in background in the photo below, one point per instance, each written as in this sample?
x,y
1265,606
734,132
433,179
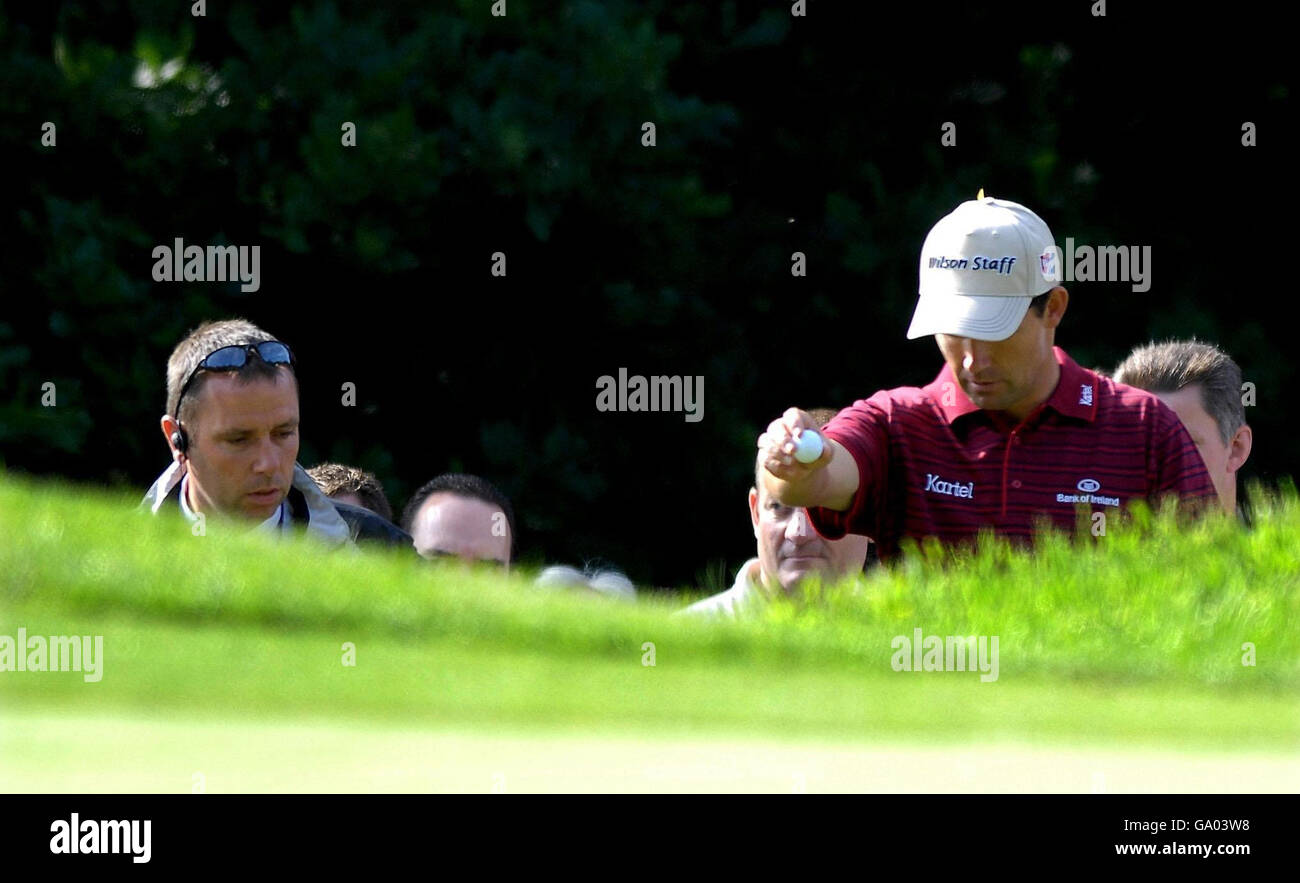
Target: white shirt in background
x,y
745,594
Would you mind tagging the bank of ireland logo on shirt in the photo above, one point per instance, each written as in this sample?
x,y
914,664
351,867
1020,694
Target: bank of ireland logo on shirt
x,y
1088,488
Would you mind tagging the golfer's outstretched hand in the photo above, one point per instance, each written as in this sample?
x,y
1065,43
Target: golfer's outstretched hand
x,y
780,441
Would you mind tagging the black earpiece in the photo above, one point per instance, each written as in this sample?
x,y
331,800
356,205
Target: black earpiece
x,y
180,441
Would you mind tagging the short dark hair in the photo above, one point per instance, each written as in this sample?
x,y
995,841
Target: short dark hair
x,y
1039,304
196,346
464,486
337,478
1175,364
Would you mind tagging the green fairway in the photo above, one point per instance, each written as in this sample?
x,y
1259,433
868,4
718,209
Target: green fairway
x,y
1121,660
71,754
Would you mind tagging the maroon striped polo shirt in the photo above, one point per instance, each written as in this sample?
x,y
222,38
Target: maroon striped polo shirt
x,y
931,463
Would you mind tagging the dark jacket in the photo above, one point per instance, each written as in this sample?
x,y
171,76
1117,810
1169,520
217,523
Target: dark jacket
x,y
365,526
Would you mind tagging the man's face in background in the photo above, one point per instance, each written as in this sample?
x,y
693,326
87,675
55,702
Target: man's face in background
x,y
1221,459
243,444
451,525
789,549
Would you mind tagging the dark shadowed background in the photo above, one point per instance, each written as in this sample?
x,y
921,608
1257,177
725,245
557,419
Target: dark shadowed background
x,y
522,134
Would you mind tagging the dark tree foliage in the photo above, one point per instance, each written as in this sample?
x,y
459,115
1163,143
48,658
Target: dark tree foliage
x,y
523,134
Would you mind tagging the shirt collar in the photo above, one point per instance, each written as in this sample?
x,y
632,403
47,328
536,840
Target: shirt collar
x,y
749,582
1075,394
950,397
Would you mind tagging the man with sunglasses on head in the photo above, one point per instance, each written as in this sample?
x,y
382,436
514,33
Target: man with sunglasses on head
x,y
232,426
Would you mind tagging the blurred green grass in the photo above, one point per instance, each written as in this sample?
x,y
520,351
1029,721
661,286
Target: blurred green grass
x,y
1136,638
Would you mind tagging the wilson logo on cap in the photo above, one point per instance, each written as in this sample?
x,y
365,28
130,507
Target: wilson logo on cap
x,y
1002,265
976,270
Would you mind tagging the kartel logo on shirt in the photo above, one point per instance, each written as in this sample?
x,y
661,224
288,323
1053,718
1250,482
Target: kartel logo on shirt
x,y
937,485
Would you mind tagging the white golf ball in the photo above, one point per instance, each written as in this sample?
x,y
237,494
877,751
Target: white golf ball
x,y
808,446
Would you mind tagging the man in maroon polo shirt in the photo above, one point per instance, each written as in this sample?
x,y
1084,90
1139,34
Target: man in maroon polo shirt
x,y
1011,430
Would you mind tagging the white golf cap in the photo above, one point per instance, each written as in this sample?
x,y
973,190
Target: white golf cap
x,y
981,265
